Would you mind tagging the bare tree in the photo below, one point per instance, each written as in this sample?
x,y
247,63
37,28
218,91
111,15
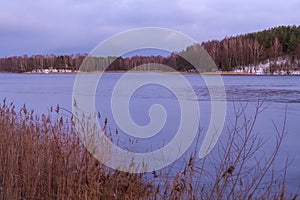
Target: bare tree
x,y
257,53
276,50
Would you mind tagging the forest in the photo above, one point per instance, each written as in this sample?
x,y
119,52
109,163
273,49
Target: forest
x,y
272,45
278,46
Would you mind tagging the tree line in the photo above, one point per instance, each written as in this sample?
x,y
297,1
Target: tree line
x,y
281,42
25,63
254,48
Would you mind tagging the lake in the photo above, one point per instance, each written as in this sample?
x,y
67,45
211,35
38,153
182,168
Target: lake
x,y
279,93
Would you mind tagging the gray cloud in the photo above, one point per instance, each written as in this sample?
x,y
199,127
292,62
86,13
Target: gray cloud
x,y
71,26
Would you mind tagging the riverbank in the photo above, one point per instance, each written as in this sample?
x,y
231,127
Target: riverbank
x,y
239,73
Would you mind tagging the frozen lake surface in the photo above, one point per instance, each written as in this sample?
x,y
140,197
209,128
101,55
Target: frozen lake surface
x,y
279,93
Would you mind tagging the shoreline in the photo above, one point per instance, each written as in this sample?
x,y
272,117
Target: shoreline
x,y
155,71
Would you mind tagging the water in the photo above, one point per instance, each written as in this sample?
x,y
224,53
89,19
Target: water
x,y
281,95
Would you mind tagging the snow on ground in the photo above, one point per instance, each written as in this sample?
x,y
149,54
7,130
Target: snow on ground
x,y
48,71
282,66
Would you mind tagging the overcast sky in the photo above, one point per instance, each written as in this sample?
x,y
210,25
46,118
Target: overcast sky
x,y
77,26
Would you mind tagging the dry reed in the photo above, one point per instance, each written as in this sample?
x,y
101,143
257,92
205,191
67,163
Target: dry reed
x,y
43,158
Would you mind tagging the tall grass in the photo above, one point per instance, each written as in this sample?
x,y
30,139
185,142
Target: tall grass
x,y
42,158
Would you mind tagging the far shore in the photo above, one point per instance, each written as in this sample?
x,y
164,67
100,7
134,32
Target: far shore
x,y
150,71
158,71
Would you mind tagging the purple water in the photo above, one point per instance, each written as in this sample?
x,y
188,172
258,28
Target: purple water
x,y
279,93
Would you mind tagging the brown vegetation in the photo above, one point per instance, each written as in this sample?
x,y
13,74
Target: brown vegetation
x,y
42,158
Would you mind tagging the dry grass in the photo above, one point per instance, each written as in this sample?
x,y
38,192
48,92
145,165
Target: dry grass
x,y
42,158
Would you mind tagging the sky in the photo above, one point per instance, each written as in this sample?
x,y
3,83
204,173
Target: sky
x,y
77,26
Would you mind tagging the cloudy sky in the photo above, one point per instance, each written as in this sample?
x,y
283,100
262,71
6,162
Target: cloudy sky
x,y
77,26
